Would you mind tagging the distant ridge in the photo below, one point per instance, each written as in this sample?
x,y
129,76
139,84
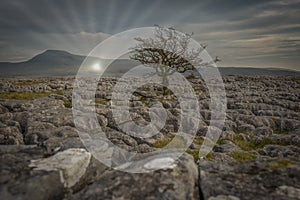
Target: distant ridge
x,y
249,71
63,63
48,63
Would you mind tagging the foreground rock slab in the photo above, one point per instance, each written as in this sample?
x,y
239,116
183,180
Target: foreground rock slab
x,y
27,173
71,165
18,181
178,180
265,179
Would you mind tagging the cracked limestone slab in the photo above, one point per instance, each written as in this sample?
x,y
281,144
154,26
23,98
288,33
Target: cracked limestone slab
x,y
71,165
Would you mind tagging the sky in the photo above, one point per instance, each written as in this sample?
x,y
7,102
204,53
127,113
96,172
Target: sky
x,y
256,33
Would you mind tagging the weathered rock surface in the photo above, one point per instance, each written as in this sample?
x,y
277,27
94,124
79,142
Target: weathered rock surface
x,y
256,157
71,165
18,181
177,180
262,179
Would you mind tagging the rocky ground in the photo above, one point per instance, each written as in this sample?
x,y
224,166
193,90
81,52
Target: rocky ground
x,y
256,156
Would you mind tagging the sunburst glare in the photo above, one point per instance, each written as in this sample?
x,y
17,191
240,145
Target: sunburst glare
x,y
96,67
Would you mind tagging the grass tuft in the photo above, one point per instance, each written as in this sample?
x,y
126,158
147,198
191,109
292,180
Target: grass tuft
x,y
297,80
242,156
67,104
281,132
177,142
195,154
101,101
251,144
198,140
280,164
162,142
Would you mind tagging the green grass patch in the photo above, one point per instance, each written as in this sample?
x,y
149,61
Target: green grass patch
x,y
59,92
198,140
243,144
160,143
101,101
32,95
281,132
242,156
27,95
280,164
165,98
251,144
274,120
209,156
145,101
195,154
297,80
177,142
67,104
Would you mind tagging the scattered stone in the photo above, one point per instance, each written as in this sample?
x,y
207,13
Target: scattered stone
x,y
288,191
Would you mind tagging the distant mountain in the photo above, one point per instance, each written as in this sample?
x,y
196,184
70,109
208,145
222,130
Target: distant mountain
x,y
48,63
62,63
249,71
51,58
59,63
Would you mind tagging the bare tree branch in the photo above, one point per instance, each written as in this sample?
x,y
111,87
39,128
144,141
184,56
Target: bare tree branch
x,y
168,52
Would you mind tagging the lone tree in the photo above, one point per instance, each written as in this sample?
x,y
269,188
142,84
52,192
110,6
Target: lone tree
x,y
168,52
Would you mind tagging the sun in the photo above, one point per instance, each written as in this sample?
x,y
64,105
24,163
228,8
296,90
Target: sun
x,y
96,67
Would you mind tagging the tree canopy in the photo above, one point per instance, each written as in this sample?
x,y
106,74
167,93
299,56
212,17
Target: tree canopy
x,y
168,52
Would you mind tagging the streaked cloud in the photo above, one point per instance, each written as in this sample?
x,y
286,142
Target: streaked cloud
x,y
260,33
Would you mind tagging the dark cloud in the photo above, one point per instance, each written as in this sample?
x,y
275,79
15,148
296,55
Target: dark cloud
x,y
234,28
77,15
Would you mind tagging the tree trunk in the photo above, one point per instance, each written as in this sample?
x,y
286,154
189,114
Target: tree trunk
x,y
165,83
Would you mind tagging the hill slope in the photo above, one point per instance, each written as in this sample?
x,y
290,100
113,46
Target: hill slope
x,y
62,63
